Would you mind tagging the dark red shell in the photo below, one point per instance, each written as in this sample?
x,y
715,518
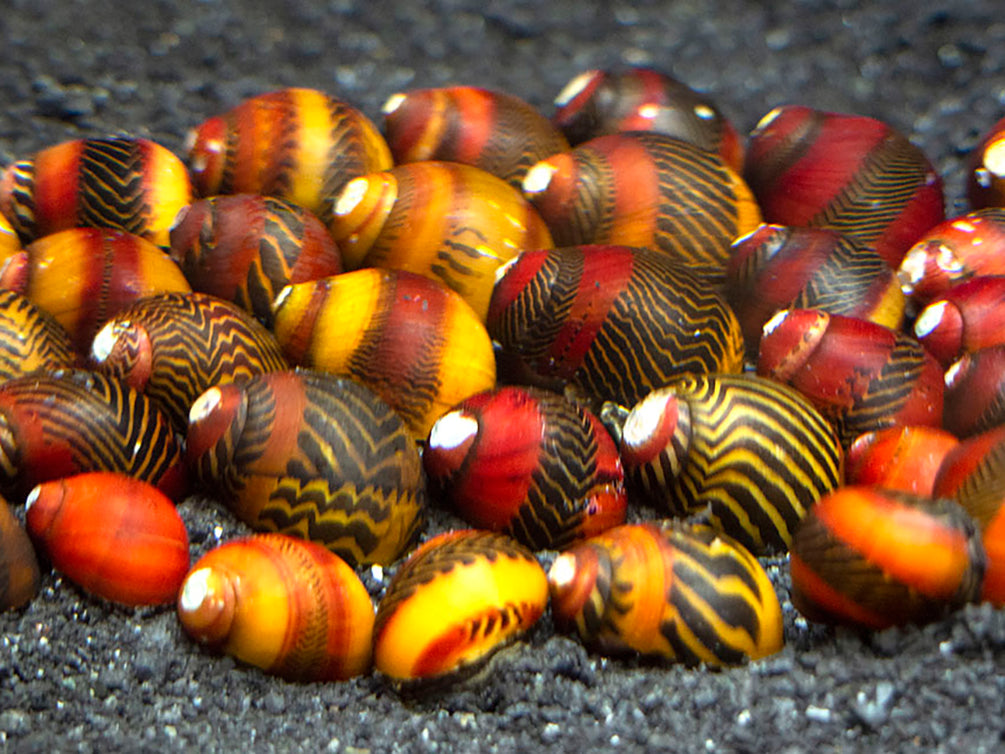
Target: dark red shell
x,y
529,463
854,174
876,558
986,177
496,132
244,248
975,392
20,577
596,103
860,375
899,458
967,317
780,267
112,535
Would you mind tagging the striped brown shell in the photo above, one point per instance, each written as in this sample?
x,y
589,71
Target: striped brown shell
x,y
30,338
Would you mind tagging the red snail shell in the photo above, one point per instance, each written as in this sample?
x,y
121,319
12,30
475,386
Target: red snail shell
x,y
986,178
899,458
975,392
20,577
967,317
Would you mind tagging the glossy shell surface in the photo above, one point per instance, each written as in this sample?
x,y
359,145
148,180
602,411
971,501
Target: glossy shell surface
x,y
20,577
30,338
974,399
899,458
967,317
986,177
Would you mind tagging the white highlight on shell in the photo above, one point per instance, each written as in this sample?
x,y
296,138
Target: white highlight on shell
x,y
649,111
954,372
195,591
393,103
563,571
775,321
104,341
452,430
204,405
644,419
352,194
538,177
767,120
571,90
704,112
994,159
32,497
929,319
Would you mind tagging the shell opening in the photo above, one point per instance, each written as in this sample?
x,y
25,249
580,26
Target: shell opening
x,y
538,177
929,319
393,103
205,405
352,194
644,420
571,90
452,430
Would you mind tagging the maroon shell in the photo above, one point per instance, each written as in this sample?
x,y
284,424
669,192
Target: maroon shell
x,y
966,318
975,392
851,173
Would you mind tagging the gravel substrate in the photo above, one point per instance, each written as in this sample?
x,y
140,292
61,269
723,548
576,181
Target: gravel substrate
x,y
79,674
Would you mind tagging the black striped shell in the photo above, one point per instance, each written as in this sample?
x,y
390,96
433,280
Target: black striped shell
x,y
752,453
30,338
314,456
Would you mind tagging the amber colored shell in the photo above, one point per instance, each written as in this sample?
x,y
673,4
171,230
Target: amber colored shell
x,y
297,144
454,223
84,276
850,173
245,248
529,463
114,536
314,456
612,321
456,600
751,454
286,606
681,593
74,421
124,183
966,318
859,375
494,131
780,267
986,166
952,252
644,189
9,241
409,339
30,338
899,458
875,558
596,103
975,392
174,346
20,577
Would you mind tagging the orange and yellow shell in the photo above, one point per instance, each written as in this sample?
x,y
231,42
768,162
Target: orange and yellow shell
x,y
129,184
114,536
454,223
30,338
9,242
284,605
681,593
899,458
297,144
20,577
408,338
456,600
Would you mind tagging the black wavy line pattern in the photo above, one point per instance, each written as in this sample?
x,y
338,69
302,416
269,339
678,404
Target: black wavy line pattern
x,y
347,153
845,281
30,338
112,185
22,199
590,215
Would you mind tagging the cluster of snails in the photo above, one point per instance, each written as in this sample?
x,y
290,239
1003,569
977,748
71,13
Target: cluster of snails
x,y
780,346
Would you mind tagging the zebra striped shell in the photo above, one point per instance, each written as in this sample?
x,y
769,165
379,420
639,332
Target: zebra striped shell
x,y
454,223
644,189
72,421
286,606
986,169
83,276
612,321
682,593
20,577
861,376
457,599
497,132
529,463
297,144
174,346
124,183
313,456
778,267
849,173
30,338
245,248
876,558
751,453
409,339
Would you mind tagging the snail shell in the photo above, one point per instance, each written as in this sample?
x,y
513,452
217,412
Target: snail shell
x,y
612,321
114,536
496,132
411,340
454,223
849,173
975,392
967,317
174,346
859,375
124,183
456,600
19,573
84,276
284,605
73,421
644,189
596,103
986,176
10,244
30,338
245,248
529,463
682,593
752,453
314,456
899,458
875,558
297,144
